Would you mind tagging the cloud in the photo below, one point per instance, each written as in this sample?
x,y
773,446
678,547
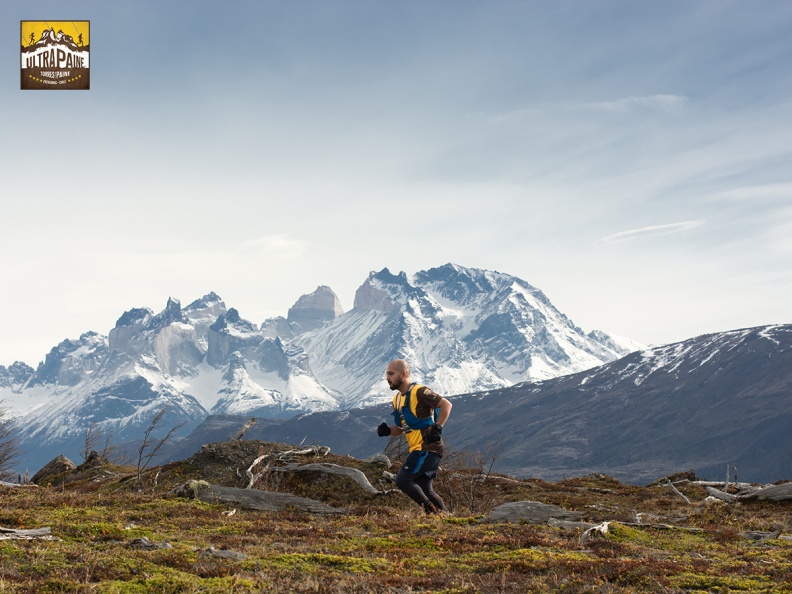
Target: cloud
x,y
652,231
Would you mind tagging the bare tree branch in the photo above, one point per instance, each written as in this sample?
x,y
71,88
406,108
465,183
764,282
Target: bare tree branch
x,y
149,447
9,446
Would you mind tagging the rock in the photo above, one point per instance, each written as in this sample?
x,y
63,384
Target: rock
x,y
687,475
224,554
53,468
146,545
532,512
379,459
94,460
254,499
755,535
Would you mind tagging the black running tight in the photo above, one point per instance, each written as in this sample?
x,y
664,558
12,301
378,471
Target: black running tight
x,y
418,488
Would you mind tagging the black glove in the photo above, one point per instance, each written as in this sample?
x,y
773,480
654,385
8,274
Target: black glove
x,y
383,430
435,434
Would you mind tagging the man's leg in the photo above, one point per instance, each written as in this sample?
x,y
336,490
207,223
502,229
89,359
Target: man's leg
x,y
415,479
425,483
406,481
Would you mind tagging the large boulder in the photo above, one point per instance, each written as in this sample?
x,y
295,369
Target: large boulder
x,y
54,468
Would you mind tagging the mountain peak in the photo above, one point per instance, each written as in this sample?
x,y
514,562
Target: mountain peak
x,y
15,375
313,310
170,315
209,300
137,315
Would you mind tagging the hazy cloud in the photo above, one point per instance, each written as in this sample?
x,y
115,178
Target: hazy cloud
x,y
652,231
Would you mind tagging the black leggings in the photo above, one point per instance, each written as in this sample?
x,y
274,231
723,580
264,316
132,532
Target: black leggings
x,y
418,487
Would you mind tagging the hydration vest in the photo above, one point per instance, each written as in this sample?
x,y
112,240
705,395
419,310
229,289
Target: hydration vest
x,y
407,412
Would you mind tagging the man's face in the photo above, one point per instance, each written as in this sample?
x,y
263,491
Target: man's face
x,y
394,377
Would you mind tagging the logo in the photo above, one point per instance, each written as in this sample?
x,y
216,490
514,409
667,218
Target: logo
x,y
55,55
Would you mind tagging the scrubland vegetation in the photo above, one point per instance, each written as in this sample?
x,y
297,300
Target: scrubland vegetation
x,y
656,542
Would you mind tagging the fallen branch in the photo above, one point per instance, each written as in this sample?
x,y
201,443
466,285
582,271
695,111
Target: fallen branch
x,y
5,484
238,435
280,457
254,478
319,451
717,494
670,484
352,473
30,534
740,486
781,492
594,532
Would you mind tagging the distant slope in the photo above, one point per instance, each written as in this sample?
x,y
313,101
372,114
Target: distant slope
x,y
703,403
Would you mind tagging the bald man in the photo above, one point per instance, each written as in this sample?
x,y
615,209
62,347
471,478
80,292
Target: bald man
x,y
420,415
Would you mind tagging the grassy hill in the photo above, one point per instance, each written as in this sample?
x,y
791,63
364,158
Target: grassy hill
x,y
656,542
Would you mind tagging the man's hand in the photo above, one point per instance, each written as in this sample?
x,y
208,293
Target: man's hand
x,y
435,434
383,430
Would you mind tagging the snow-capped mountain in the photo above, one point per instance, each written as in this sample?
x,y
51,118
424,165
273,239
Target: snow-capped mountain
x,y
462,330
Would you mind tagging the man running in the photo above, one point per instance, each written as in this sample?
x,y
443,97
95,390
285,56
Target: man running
x,y
419,415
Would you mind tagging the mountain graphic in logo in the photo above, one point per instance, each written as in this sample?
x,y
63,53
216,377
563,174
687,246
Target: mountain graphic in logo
x,y
55,55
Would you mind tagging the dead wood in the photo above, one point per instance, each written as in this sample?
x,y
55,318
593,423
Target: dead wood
x,y
594,532
353,473
739,486
238,435
255,499
5,484
781,492
253,478
30,534
670,484
717,494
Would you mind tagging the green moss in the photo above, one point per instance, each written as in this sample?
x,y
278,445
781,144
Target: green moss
x,y
711,583
520,559
463,521
318,562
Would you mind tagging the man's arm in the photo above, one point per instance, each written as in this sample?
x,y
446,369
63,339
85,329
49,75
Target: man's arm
x,y
384,430
445,411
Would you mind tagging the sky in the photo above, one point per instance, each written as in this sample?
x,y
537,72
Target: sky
x,y
630,159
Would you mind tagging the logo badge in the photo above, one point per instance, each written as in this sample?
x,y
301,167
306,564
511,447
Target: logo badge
x,y
55,55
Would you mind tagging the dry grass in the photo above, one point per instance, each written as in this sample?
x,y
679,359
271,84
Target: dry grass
x,y
384,544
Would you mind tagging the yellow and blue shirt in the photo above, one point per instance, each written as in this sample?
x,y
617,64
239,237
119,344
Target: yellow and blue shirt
x,y
415,412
